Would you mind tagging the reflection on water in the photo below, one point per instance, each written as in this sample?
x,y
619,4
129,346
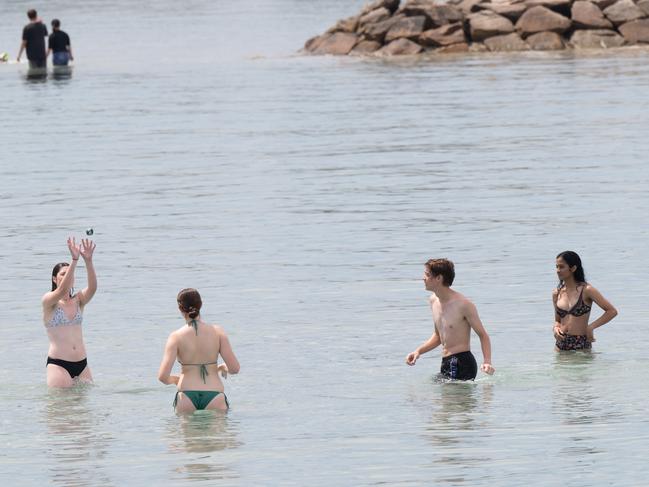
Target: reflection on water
x,y
573,394
456,411
36,75
574,404
76,444
41,75
455,403
61,72
203,433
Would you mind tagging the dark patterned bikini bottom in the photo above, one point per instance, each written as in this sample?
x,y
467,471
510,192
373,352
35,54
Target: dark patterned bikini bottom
x,y
572,342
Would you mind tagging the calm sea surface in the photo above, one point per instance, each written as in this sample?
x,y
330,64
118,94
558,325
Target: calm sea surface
x,y
301,196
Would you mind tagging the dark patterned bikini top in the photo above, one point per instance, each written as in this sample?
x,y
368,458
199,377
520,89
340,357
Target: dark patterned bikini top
x,y
579,308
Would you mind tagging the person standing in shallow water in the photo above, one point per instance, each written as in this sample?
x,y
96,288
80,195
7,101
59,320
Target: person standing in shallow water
x,y
572,300
59,45
63,316
33,41
197,347
454,316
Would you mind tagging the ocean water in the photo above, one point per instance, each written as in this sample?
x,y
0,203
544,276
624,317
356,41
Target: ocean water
x,y
301,196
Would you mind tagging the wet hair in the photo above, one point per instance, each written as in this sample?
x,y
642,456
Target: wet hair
x,y
32,14
189,301
442,267
55,272
572,259
56,23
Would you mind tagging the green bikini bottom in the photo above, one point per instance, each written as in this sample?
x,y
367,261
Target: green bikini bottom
x,y
201,399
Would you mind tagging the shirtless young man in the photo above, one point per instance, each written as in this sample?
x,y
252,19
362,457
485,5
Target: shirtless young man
x,y
454,316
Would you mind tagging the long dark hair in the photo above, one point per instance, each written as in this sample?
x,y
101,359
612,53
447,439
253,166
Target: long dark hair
x,y
189,301
56,270
572,259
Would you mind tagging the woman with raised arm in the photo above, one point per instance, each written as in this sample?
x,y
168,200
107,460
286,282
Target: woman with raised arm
x,y
63,315
197,346
573,299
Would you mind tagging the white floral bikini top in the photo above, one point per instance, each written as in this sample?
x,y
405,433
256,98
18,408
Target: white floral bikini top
x,y
59,319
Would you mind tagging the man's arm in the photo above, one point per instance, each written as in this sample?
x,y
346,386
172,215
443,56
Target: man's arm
x,y
427,346
471,315
23,45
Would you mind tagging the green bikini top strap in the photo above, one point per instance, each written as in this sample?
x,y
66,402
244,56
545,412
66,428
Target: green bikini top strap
x,y
194,323
204,374
203,370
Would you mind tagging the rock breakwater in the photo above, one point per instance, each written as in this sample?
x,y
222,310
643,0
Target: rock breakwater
x,y
392,27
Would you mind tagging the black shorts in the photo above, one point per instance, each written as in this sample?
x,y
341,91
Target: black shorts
x,y
459,366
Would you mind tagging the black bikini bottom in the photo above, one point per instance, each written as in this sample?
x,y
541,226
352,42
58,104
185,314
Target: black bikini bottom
x,y
73,368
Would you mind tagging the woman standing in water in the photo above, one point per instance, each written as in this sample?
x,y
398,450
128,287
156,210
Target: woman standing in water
x,y
63,315
573,299
197,347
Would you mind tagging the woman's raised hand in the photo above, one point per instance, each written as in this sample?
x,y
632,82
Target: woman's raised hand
x,y
87,248
73,248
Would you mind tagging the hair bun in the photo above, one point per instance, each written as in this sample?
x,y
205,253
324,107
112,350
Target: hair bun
x,y
189,301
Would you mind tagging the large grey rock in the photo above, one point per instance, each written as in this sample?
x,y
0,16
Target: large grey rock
x,y
596,39
509,42
443,36
437,14
542,19
587,15
623,11
510,9
400,47
487,24
636,31
339,43
376,32
408,27
374,17
365,47
391,5
350,24
545,41
644,6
